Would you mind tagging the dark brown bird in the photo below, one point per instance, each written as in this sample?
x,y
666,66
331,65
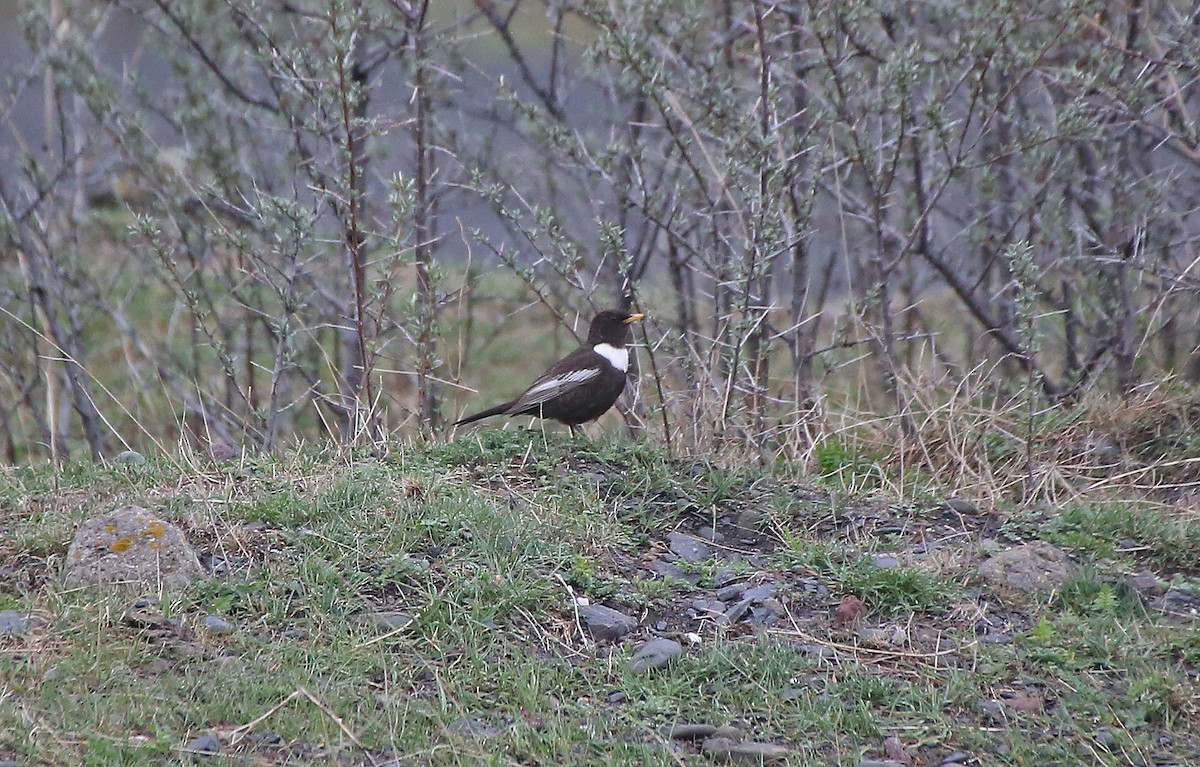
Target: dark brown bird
x,y
582,386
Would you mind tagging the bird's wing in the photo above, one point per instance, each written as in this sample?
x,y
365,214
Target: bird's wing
x,y
553,384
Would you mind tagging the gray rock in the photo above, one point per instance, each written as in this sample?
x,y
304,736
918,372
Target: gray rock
x,y
473,727
705,606
735,613
879,763
684,731
885,561
729,732
873,636
673,571
1031,567
1105,739
724,577
129,458
763,616
10,763
17,622
816,650
688,548
991,711
205,744
748,522
755,752
717,749
215,624
709,534
131,546
961,506
606,623
731,592
760,592
1146,582
656,653
388,620
617,698
956,757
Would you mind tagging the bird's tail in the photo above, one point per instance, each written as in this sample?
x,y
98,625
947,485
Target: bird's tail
x,y
491,411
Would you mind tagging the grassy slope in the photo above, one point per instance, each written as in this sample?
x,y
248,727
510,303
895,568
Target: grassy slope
x,y
486,539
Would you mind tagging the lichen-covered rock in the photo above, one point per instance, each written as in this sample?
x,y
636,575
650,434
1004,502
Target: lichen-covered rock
x,y
131,546
1032,567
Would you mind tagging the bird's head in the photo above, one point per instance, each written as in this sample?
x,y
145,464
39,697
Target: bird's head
x,y
611,326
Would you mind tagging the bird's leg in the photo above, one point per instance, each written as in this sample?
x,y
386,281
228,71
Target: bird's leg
x,y
574,430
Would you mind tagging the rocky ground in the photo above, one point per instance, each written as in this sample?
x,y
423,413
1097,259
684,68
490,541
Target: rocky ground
x,y
505,601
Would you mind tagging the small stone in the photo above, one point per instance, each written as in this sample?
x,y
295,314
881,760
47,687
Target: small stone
x,y
729,732
991,710
708,606
898,636
955,758
674,572
605,623
1146,582
709,534
204,744
724,577
759,593
617,698
879,763
684,731
885,561
763,616
997,638
473,727
748,522
129,458
389,620
1105,739
688,548
17,622
144,614
872,636
894,750
756,752
816,650
656,653
961,506
717,749
731,592
735,613
215,624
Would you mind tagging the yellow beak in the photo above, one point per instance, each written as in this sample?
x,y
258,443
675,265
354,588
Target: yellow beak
x,y
635,318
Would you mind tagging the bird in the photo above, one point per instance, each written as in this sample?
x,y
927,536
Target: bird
x,y
582,386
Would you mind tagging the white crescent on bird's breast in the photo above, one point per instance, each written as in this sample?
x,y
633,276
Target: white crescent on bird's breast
x,y
619,357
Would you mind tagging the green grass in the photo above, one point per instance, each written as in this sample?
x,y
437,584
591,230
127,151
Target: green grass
x,y
483,541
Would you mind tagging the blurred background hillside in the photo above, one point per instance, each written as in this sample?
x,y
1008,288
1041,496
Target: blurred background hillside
x,y
958,239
